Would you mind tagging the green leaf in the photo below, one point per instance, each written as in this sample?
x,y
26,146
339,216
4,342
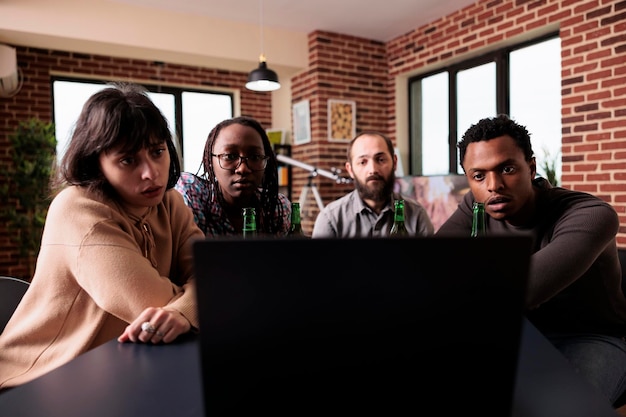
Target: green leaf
x,y
25,178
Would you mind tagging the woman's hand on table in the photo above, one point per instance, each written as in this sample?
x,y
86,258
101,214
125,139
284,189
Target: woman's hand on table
x,y
155,325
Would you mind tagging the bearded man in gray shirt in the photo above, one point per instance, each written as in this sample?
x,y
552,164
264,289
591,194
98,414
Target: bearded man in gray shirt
x,y
368,210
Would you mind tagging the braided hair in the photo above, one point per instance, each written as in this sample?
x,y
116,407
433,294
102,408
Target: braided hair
x,y
267,202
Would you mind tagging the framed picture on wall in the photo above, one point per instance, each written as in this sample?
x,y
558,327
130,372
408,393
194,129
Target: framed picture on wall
x,y
341,120
301,122
277,136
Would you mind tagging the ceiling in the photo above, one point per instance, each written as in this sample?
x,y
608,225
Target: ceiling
x,y
380,20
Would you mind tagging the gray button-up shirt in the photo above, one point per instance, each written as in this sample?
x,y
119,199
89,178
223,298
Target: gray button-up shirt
x,y
349,216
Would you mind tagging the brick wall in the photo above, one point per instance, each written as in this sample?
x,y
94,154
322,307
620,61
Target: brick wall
x,y
35,100
345,68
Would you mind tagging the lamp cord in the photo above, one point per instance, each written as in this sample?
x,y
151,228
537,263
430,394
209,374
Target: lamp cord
x,y
262,57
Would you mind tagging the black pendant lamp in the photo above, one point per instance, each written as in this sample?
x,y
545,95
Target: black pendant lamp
x,y
262,78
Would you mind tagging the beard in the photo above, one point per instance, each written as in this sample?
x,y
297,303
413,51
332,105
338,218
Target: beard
x,y
379,192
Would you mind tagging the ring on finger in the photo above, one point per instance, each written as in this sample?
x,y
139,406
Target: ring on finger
x,y
160,334
147,327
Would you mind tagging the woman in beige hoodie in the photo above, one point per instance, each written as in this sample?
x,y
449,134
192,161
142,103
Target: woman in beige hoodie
x,y
116,256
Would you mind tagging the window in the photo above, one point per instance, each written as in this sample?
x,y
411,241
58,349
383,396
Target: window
x,y
523,81
191,114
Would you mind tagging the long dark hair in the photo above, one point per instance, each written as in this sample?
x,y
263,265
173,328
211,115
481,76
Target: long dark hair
x,y
121,114
268,195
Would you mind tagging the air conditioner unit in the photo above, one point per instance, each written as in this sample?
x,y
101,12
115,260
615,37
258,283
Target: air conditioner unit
x,y
10,74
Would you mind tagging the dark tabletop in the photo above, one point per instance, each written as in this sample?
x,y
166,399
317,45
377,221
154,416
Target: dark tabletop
x,y
119,380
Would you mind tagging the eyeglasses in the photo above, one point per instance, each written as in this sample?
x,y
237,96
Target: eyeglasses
x,y
231,161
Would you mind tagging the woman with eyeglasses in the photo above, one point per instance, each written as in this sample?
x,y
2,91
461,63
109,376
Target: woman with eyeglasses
x,y
240,170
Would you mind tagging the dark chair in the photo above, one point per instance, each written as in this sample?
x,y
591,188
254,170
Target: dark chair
x,y
621,253
11,292
621,401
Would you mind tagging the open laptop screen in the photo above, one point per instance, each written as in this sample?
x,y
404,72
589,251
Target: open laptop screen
x,y
312,326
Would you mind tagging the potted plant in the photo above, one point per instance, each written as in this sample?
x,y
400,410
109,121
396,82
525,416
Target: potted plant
x,y
25,185
549,165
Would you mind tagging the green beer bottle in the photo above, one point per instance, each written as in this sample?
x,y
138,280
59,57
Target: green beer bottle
x,y
398,228
296,226
478,220
249,222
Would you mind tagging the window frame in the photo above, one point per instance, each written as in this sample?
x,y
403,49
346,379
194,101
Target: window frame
x,y
501,59
176,92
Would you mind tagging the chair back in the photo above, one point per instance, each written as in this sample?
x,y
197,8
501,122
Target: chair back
x,y
11,292
621,253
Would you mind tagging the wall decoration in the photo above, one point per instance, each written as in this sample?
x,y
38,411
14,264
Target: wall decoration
x,y
301,123
277,136
341,120
439,194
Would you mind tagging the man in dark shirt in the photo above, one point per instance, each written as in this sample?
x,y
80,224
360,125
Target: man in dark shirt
x,y
574,294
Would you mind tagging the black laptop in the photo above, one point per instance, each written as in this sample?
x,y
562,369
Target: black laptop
x,y
403,326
